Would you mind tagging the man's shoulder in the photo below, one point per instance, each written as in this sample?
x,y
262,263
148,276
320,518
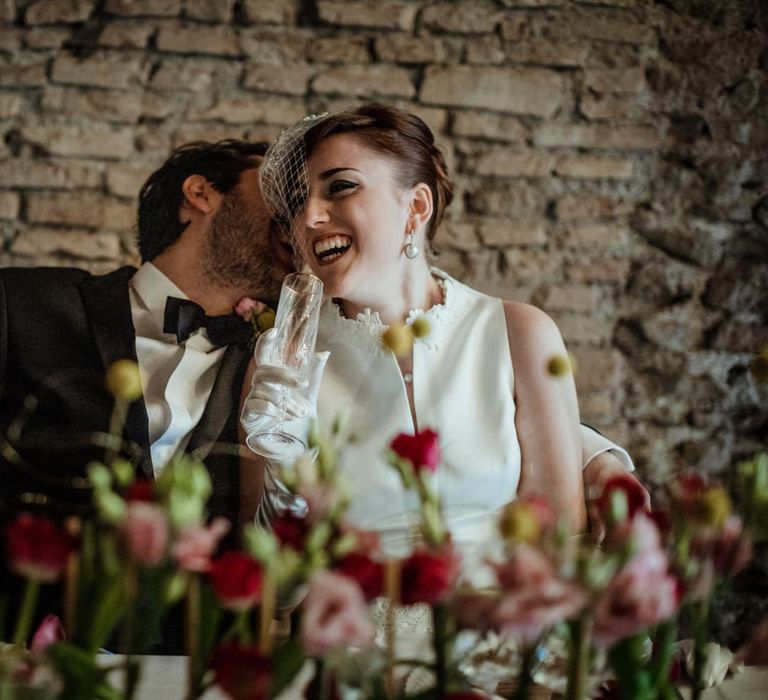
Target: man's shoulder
x,y
56,277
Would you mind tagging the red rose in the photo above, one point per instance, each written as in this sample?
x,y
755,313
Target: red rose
x,y
634,492
243,673
236,579
422,450
37,548
368,574
140,490
428,575
291,531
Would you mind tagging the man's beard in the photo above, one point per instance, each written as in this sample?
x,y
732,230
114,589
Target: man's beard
x,y
237,253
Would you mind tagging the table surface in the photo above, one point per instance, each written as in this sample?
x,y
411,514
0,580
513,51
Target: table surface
x,y
165,677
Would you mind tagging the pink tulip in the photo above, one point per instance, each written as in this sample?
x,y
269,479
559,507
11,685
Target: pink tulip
x,y
50,631
145,532
640,534
334,614
641,594
729,549
535,597
197,543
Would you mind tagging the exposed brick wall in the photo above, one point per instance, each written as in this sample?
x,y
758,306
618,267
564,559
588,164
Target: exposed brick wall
x,y
609,159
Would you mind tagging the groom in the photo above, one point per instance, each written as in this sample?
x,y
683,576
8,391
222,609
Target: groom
x,y
204,236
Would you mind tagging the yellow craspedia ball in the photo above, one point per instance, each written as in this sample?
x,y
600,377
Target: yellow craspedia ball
x,y
519,524
759,366
398,338
265,320
713,507
558,365
420,327
123,380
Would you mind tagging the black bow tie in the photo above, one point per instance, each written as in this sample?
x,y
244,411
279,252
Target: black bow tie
x,y
183,317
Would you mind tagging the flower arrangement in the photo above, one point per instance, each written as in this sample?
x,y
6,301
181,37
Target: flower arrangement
x,y
591,620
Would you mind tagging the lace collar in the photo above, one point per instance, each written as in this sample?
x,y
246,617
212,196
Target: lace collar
x,y
366,328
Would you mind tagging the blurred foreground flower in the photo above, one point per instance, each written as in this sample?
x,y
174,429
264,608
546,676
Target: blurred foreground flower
x,y
145,532
123,380
236,579
428,576
335,614
37,548
422,450
243,672
534,597
560,365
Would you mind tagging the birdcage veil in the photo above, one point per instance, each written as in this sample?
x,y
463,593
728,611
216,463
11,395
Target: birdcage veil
x,y
283,176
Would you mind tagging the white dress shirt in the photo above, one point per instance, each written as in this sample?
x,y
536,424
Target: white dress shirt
x,y
176,378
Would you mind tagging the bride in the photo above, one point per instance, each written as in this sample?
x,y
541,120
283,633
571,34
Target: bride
x,y
364,201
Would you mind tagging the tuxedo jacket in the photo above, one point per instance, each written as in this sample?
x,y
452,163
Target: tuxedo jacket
x,y
60,329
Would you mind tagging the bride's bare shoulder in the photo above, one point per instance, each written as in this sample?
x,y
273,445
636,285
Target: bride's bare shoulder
x,y
530,329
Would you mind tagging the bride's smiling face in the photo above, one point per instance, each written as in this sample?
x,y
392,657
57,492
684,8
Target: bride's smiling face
x,y
355,218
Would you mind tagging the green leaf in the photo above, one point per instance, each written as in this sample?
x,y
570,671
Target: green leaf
x,y
84,678
288,660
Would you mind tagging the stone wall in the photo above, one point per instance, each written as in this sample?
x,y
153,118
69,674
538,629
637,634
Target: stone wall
x,y
609,157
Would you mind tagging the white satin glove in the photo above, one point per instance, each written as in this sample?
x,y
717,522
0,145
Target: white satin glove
x,y
279,394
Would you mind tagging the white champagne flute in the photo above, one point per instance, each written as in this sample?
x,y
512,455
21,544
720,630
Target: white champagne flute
x,y
293,346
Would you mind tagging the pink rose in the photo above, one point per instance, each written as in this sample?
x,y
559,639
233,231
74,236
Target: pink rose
x,y
334,614
534,596
641,594
422,449
50,631
248,308
236,579
37,548
145,532
197,543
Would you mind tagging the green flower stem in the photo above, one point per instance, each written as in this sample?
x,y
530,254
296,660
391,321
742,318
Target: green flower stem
x,y
193,634
127,642
28,605
578,659
116,423
701,612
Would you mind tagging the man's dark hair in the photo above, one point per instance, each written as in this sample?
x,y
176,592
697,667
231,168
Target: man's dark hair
x,y
161,197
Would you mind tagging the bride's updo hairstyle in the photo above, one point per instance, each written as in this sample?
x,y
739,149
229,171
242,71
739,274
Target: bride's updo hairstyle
x,y
401,137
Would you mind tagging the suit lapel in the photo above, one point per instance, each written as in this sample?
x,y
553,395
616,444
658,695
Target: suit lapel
x,y
223,400
108,309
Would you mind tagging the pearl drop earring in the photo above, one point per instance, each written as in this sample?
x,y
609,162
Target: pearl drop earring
x,y
410,249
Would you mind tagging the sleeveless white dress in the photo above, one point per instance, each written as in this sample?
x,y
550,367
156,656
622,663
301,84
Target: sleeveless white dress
x,y
463,388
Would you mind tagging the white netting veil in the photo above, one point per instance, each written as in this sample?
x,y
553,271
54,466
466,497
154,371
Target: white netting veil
x,y
283,176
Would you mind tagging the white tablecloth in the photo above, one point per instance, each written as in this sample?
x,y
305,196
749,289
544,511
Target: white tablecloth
x,y
164,678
